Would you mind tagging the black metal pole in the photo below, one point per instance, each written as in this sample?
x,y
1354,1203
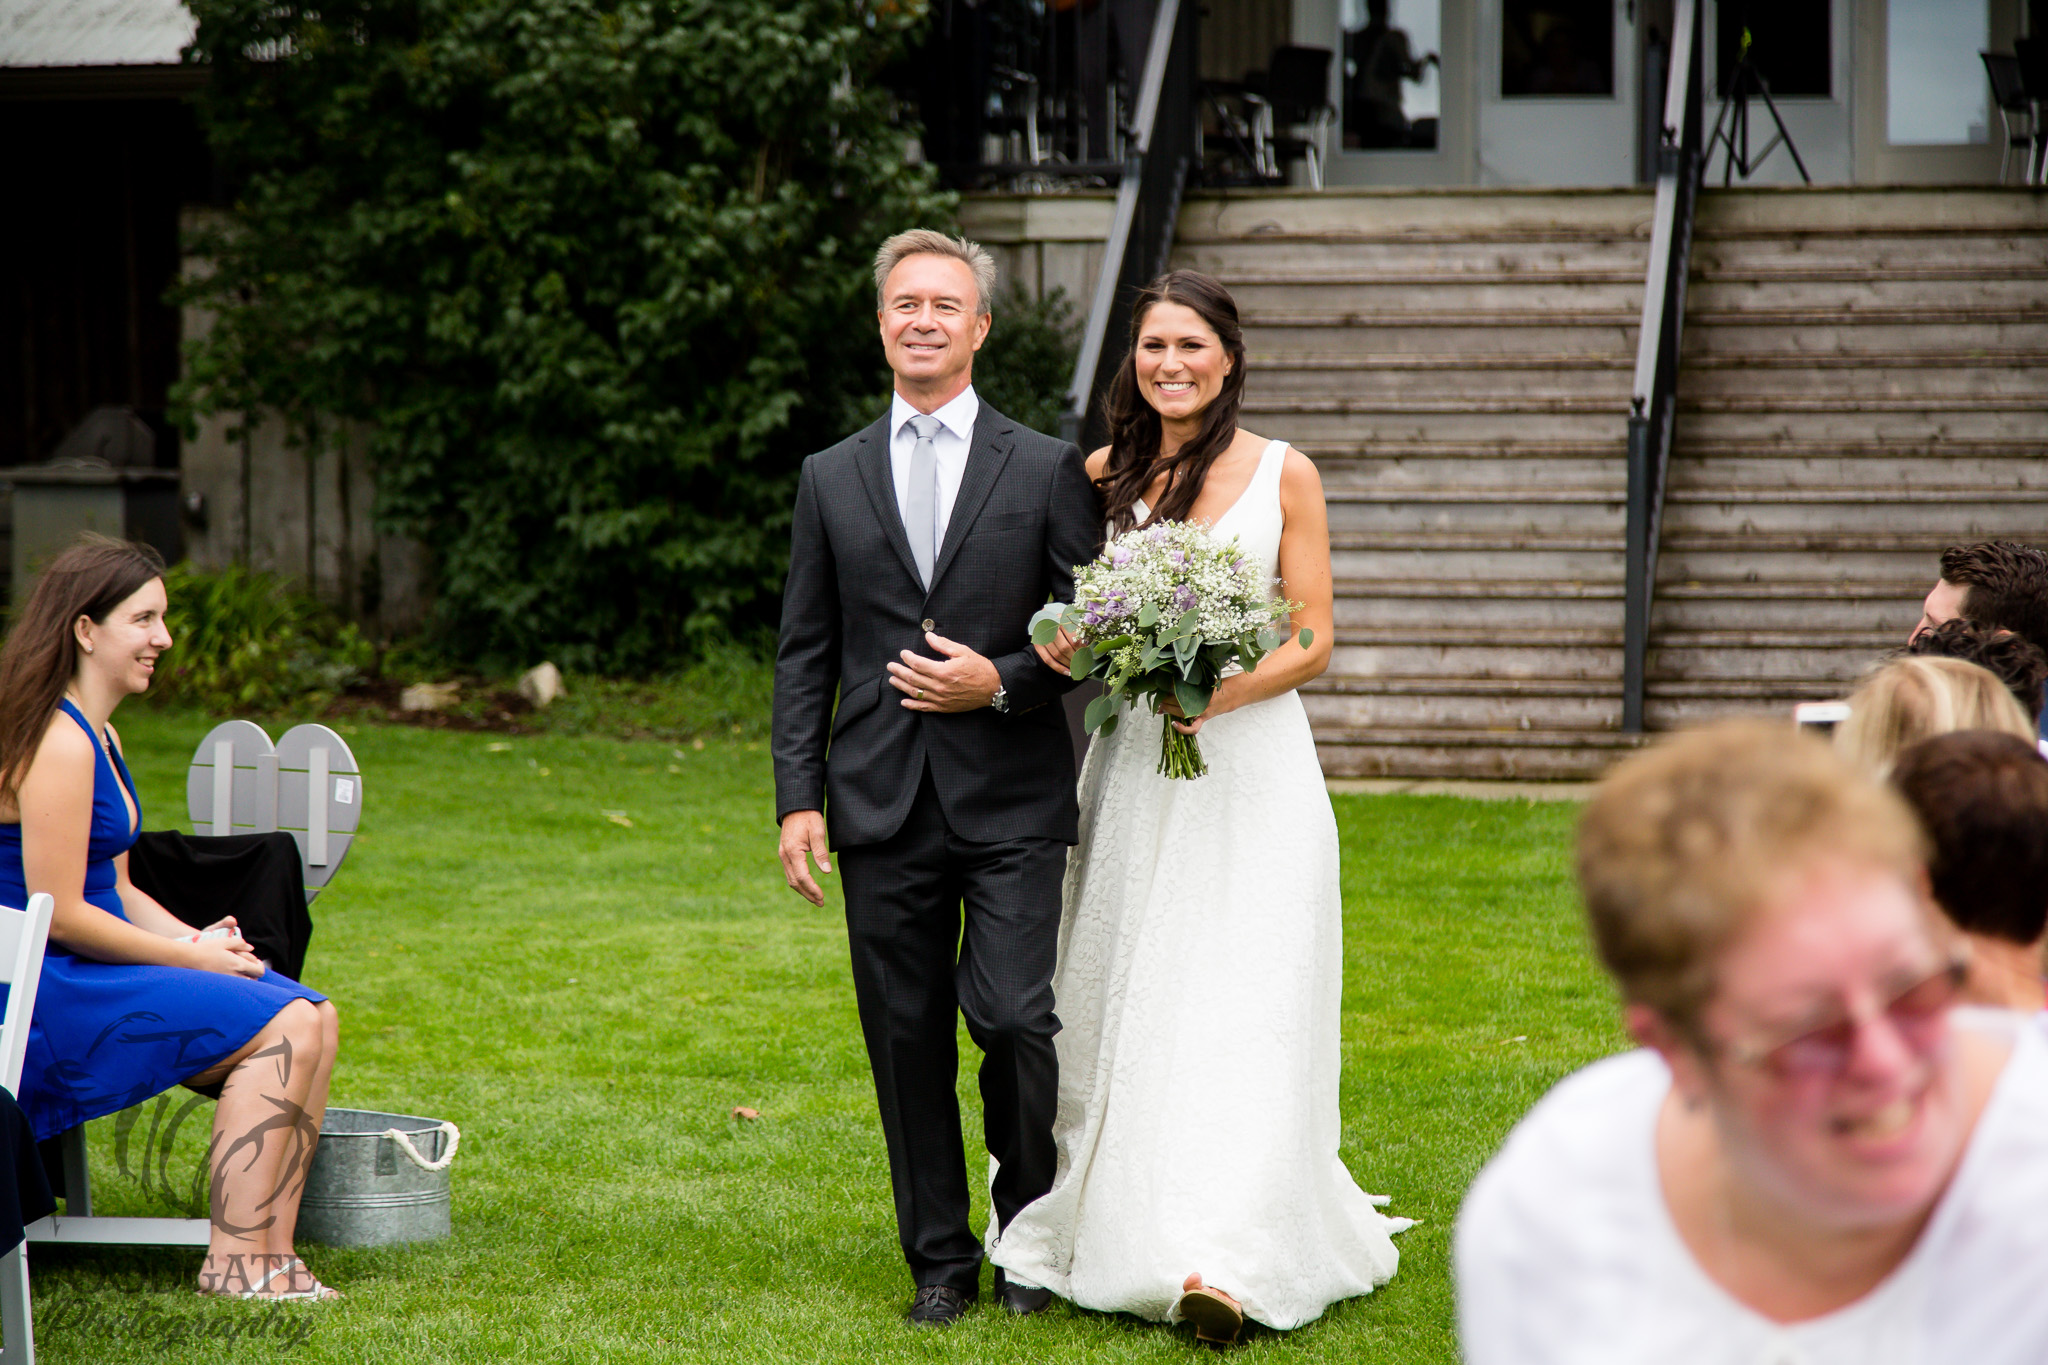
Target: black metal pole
x,y
1635,624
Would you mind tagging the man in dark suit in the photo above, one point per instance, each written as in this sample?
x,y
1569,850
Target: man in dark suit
x,y
919,551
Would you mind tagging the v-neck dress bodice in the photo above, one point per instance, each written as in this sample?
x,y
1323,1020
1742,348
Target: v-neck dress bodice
x,y
107,1035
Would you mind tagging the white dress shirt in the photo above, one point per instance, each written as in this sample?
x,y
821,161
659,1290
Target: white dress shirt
x,y
1566,1253
950,446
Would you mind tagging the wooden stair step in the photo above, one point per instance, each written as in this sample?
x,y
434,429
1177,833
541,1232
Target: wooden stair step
x,y
1505,736
1349,493
1852,496
1860,316
1486,589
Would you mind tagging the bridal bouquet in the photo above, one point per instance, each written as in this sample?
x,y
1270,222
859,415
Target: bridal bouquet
x,y
1161,613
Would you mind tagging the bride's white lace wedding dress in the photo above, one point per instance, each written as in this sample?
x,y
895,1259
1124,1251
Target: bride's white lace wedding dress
x,y
1200,967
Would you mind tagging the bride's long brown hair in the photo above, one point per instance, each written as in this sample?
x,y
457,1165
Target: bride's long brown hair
x,y
1134,427
41,654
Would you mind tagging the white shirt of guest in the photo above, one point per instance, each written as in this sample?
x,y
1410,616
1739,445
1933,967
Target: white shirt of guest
x,y
955,437
1566,1253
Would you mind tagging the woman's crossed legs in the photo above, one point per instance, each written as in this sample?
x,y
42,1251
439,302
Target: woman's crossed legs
x,y
264,1132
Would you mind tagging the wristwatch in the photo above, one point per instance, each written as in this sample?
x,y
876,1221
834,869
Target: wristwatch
x,y
1001,700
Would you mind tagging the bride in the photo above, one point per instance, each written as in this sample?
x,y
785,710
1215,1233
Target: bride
x,y
1200,955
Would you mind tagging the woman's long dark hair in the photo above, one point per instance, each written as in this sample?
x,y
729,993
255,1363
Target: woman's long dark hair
x,y
41,655
1134,427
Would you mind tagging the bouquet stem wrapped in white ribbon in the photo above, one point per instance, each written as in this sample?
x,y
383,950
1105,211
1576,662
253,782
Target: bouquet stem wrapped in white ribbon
x,y
1162,613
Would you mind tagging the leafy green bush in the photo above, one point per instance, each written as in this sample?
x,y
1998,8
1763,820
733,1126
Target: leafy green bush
x,y
1028,360
591,274
247,641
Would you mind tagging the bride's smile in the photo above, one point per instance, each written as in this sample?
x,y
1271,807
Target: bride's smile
x,y
1180,367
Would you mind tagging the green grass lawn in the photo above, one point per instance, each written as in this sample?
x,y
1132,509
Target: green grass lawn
x,y
582,952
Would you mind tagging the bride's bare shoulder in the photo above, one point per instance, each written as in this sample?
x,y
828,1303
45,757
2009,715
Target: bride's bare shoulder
x,y
1098,462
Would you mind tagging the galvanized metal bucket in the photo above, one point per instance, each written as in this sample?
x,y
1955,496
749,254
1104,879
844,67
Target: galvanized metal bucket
x,y
378,1178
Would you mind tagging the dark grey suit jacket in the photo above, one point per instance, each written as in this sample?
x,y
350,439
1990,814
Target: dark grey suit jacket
x,y
1025,515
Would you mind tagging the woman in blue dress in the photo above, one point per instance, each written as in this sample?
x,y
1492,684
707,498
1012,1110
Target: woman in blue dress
x,y
132,1000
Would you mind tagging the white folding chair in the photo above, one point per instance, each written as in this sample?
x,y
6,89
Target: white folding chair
x,y
22,936
307,785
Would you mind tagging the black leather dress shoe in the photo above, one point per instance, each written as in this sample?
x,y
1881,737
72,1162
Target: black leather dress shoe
x,y
1021,1300
937,1305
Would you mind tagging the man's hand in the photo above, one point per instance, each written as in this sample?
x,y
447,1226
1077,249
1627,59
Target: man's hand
x,y
962,681
1059,655
803,838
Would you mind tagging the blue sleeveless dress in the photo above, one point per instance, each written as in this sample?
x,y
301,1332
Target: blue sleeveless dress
x,y
107,1035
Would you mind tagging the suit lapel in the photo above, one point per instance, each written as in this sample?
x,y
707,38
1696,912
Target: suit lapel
x,y
872,459
986,456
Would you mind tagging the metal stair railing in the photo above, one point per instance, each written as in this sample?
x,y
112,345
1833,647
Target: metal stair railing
x,y
1164,145
1654,403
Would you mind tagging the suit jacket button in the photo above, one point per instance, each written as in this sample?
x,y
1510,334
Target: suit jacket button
x,y
928,624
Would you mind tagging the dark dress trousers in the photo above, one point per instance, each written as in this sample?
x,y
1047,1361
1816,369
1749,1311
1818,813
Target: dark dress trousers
x,y
951,830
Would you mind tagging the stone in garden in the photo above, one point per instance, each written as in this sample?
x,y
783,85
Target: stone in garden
x,y
541,684
428,696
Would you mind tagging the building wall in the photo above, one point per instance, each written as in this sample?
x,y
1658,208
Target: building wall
x,y
262,500
1043,242
88,245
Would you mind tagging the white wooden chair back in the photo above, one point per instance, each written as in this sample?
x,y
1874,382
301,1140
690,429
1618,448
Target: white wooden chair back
x,y
23,934
319,798
231,787
307,784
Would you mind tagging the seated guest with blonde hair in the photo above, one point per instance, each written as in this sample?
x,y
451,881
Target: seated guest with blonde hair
x,y
1811,1158
1982,797
1908,700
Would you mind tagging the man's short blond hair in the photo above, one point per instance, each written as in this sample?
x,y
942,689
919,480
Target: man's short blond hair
x,y
1685,841
1919,697
926,242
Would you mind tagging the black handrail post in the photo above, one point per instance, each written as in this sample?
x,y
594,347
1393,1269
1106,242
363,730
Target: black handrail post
x,y
1635,625
1653,405
1163,143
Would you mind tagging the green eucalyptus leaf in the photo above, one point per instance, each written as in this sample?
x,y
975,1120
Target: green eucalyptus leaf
x,y
1308,637
1148,616
1045,632
1100,712
1083,663
1193,700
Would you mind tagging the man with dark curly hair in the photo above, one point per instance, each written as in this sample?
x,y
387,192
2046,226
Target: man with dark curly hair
x,y
2020,666
1998,582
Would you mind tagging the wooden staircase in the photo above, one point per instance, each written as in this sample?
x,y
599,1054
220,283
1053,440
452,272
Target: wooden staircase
x,y
1863,383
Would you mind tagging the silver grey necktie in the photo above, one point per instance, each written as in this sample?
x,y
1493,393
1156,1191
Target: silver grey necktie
x,y
920,515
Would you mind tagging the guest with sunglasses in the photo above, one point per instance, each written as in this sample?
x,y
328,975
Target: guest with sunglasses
x,y
1813,1157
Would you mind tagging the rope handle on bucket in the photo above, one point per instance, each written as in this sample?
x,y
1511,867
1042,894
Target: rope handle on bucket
x,y
413,1153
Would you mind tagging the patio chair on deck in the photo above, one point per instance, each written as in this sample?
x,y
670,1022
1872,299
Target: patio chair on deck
x,y
2016,106
2032,55
1295,95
